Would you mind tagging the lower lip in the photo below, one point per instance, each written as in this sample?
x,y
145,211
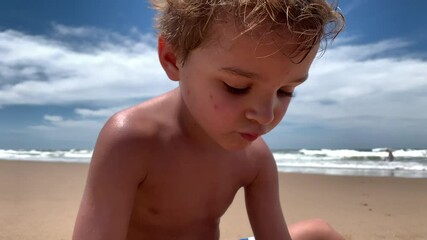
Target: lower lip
x,y
249,137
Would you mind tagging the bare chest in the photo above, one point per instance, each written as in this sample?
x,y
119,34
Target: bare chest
x,y
180,193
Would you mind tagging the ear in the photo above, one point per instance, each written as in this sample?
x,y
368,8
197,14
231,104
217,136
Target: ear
x,y
168,59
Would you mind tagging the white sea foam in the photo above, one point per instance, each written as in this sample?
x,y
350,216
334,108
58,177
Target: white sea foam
x,y
407,162
72,155
377,152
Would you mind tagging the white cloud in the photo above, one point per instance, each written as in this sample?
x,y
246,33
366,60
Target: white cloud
x,y
53,118
346,86
363,90
353,87
103,112
59,122
73,31
59,130
43,70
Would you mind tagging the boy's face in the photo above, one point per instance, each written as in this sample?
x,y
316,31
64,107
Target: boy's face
x,y
237,89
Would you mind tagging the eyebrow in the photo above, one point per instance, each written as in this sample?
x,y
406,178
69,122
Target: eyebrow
x,y
299,80
239,72
242,73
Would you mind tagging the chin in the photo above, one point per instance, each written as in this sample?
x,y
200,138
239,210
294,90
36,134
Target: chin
x,y
235,145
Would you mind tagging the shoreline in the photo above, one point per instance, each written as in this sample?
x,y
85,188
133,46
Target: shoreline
x,y
407,163
39,200
329,171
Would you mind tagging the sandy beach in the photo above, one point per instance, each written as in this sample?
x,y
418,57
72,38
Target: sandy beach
x,y
40,201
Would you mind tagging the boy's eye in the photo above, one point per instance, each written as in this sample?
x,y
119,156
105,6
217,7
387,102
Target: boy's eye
x,y
283,93
236,91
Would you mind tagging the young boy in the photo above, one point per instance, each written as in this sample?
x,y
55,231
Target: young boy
x,y
169,168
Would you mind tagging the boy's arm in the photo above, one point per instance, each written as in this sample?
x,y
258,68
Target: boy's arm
x,y
115,172
263,203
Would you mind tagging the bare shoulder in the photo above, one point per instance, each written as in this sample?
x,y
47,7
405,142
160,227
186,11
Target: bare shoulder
x,y
262,156
258,163
119,164
260,151
130,137
131,125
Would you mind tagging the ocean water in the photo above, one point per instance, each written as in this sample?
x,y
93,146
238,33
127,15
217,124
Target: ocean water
x,y
70,155
410,163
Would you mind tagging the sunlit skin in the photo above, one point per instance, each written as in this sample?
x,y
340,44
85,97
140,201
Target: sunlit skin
x,y
169,168
233,92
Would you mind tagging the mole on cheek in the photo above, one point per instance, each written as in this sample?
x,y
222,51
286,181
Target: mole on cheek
x,y
215,106
153,211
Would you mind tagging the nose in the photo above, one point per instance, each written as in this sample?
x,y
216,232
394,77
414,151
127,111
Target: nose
x,y
262,112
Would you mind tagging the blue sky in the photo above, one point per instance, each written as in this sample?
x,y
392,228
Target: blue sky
x,y
65,66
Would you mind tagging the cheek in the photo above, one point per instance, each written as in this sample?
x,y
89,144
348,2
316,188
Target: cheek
x,y
223,104
223,108
215,102
219,107
281,111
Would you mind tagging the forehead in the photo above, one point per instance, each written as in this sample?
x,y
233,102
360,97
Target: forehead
x,y
249,56
265,40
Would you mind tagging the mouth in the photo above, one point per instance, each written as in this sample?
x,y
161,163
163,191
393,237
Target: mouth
x,y
249,136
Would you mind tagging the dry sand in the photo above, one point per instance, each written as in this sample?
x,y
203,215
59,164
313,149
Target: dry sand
x,y
40,201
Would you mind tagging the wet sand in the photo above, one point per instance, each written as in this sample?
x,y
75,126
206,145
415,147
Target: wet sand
x,y
40,201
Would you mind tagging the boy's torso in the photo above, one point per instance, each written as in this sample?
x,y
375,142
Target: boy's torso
x,y
186,190
183,197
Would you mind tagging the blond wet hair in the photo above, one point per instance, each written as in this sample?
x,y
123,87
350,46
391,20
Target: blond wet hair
x,y
186,24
